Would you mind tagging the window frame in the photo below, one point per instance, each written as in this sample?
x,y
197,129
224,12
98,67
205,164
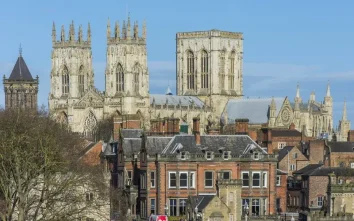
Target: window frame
x,y
169,180
264,179
226,155
190,178
352,165
281,145
175,205
319,201
259,180
210,155
151,208
153,181
226,171
278,178
179,179
212,179
293,167
248,180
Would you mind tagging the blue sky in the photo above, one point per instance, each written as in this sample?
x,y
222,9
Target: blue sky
x,y
285,42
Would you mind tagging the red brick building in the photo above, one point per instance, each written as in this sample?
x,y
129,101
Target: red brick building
x,y
162,172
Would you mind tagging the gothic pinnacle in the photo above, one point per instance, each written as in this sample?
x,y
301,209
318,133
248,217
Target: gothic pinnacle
x,y
62,35
272,104
328,92
108,29
344,116
72,31
128,28
54,33
136,30
80,34
124,31
89,33
144,30
116,30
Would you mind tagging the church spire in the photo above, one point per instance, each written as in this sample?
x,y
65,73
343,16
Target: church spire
x,y
344,116
72,32
273,105
168,91
328,92
80,34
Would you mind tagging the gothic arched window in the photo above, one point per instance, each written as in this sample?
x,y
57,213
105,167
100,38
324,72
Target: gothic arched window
x,y
232,70
90,125
205,69
136,82
222,70
190,70
81,80
65,81
120,78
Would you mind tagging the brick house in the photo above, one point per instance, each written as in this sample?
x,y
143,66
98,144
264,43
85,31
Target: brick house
x,y
281,190
291,158
163,172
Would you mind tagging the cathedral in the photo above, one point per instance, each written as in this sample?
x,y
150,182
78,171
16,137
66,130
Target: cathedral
x,y
209,84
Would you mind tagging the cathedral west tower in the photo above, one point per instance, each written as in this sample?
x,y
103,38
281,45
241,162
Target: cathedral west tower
x,y
209,65
127,76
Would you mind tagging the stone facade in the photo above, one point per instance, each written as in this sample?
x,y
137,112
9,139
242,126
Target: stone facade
x,y
209,81
20,88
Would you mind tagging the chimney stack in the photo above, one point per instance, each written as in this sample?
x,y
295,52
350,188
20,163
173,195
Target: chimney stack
x,y
351,136
241,126
196,129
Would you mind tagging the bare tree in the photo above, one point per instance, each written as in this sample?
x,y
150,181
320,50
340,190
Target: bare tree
x,y
41,177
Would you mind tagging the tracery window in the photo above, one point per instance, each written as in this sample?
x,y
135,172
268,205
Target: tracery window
x,y
232,70
119,79
190,70
65,81
81,80
205,70
90,125
136,83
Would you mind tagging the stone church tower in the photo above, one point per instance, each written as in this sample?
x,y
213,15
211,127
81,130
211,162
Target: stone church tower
x,y
209,65
20,88
344,125
127,76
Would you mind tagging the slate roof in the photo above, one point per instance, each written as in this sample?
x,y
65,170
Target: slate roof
x,y
256,110
325,171
284,152
280,172
341,146
20,71
160,99
234,143
201,201
286,133
307,169
132,133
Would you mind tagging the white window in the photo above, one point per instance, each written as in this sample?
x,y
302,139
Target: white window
x,y
182,207
351,165
89,196
183,155
256,208
294,155
208,155
208,179
340,181
152,179
264,179
278,181
172,180
320,201
130,176
292,167
256,179
256,156
191,179
245,179
173,207
183,179
152,206
226,175
281,145
226,155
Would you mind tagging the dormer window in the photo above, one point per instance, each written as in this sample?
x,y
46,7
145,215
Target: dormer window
x,y
340,181
208,155
226,155
183,155
256,156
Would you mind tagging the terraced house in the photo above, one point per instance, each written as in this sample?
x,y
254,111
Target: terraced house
x,y
165,173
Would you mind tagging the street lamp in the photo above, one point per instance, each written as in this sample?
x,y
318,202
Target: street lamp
x,y
166,209
246,211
